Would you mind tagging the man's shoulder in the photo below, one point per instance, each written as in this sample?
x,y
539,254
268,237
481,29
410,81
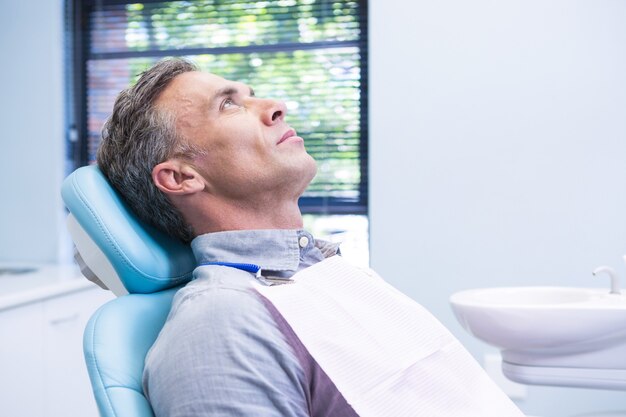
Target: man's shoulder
x,y
224,312
220,314
221,348
224,293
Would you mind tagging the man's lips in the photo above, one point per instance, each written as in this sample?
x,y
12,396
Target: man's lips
x,y
287,135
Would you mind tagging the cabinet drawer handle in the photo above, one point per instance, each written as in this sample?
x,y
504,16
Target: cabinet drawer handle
x,y
61,320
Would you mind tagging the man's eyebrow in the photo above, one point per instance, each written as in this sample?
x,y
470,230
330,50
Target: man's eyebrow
x,y
228,91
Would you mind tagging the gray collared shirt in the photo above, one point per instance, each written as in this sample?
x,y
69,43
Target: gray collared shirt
x,y
277,252
225,350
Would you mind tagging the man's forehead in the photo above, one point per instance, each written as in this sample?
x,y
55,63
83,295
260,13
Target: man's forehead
x,y
194,78
191,94
197,83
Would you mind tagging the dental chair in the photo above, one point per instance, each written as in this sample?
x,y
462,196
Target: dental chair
x,y
143,267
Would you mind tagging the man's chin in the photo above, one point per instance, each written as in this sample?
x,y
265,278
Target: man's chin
x,y
303,173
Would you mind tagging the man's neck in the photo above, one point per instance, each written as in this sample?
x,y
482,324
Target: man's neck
x,y
221,215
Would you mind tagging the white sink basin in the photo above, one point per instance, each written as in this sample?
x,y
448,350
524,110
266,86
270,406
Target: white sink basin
x,y
527,296
550,327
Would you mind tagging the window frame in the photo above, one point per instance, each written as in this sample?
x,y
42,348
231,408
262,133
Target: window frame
x,y
77,26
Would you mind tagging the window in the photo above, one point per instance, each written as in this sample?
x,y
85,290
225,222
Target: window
x,y
312,54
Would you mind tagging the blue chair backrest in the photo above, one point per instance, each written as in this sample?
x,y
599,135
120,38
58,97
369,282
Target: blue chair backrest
x,y
131,258
116,341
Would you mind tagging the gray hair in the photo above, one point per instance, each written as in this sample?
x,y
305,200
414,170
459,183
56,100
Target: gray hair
x,y
137,137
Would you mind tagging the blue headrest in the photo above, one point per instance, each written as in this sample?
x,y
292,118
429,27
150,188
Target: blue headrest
x,y
144,259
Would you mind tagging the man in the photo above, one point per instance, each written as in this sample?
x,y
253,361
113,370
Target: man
x,y
207,161
197,155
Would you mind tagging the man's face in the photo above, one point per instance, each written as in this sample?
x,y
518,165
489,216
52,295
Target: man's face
x,y
249,148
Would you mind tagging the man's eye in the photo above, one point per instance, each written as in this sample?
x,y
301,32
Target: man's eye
x,y
228,103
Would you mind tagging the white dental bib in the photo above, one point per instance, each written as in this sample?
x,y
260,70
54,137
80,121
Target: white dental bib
x,y
385,353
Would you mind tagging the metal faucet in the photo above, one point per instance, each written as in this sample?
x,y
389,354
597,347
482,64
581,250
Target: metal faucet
x,y
614,278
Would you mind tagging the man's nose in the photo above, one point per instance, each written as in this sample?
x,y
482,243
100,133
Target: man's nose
x,y
273,112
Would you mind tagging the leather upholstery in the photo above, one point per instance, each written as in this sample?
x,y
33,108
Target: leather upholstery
x,y
145,259
116,341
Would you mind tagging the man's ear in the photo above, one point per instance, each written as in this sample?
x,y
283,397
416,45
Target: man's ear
x,y
176,177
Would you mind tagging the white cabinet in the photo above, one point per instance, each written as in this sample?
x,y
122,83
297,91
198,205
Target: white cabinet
x,y
66,382
42,370
21,358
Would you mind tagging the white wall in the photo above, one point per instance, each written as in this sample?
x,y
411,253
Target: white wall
x,y
498,153
31,129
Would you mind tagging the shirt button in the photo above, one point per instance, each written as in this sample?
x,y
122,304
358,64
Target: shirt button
x,y
303,241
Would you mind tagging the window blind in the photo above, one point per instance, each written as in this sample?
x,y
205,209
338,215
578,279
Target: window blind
x,y
312,54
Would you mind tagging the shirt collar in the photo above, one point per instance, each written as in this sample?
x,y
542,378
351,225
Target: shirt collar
x,y
274,250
